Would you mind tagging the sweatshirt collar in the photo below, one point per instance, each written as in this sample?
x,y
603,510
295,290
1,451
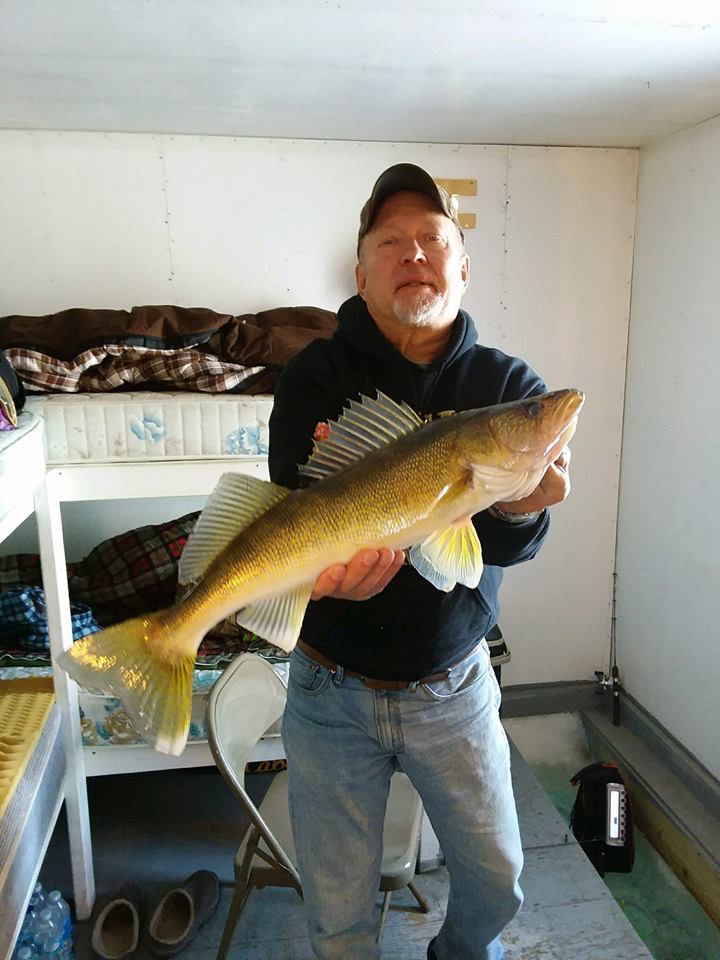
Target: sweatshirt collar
x,y
357,327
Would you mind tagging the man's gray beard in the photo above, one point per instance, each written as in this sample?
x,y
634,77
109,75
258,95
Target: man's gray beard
x,y
422,312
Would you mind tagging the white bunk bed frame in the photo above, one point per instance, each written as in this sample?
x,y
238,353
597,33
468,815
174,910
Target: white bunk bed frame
x,y
116,481
71,788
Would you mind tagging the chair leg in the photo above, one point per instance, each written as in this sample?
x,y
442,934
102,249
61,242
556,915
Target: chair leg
x,y
238,902
384,914
423,903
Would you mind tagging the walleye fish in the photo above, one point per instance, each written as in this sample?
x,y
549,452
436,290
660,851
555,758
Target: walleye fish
x,y
385,479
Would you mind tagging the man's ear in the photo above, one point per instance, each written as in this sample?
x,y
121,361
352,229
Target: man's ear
x,y
360,279
465,270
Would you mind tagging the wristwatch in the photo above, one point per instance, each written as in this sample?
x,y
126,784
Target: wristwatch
x,y
513,517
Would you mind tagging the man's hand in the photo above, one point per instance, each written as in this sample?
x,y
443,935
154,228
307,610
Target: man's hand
x,y
366,574
553,488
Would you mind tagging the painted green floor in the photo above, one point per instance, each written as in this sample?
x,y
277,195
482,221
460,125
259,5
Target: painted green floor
x,y
662,911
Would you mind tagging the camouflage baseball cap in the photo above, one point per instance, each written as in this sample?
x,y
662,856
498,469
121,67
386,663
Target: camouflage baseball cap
x,y
405,176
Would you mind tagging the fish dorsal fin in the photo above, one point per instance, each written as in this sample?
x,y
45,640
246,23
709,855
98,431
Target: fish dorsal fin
x,y
277,619
236,501
450,556
365,425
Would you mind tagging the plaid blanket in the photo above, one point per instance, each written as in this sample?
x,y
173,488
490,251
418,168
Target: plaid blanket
x,y
124,576
23,620
113,366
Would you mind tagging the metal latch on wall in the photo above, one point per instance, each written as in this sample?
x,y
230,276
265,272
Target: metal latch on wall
x,y
461,188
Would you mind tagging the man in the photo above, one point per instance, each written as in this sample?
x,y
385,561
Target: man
x,y
391,673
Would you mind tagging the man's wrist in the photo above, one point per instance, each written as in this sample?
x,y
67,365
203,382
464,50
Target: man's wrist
x,y
508,517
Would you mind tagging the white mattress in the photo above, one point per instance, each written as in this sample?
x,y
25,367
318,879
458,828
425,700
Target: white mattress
x,y
22,461
131,427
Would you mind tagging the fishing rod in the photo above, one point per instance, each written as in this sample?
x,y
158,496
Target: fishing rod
x,y
612,677
614,672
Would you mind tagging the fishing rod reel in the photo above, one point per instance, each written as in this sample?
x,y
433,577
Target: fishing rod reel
x,y
610,681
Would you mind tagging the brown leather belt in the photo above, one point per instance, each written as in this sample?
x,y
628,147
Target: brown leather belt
x,y
368,681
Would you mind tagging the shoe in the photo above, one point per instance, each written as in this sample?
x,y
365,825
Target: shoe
x,y
116,922
181,913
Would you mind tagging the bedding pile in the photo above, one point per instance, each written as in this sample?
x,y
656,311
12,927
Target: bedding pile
x,y
158,347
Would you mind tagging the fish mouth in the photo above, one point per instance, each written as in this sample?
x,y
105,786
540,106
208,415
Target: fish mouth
x,y
561,440
564,417
574,401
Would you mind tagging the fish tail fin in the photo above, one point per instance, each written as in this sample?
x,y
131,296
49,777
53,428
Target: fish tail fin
x,y
146,665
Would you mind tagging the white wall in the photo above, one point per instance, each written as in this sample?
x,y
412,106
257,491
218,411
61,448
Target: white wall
x,y
669,527
240,225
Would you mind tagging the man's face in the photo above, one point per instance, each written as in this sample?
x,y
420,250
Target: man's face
x,y
412,267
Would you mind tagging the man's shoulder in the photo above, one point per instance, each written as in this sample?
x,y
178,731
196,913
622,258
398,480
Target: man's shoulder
x,y
493,357
317,353
486,354
498,376
324,368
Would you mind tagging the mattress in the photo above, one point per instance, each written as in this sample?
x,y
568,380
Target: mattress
x,y
25,705
147,427
22,461
27,823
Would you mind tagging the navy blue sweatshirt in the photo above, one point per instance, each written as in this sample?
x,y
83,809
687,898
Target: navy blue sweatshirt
x,y
410,629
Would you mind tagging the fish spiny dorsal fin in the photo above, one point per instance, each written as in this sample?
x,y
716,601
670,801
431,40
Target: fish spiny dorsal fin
x,y
364,426
236,501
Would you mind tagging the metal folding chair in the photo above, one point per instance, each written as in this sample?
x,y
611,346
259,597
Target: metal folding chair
x,y
244,703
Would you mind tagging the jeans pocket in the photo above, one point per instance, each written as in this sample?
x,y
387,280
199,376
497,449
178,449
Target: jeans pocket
x,y
306,675
463,676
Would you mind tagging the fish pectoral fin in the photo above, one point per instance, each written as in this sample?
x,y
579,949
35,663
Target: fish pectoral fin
x,y
277,619
427,570
236,501
450,556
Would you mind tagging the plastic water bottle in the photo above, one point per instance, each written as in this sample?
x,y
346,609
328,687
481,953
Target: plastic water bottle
x,y
50,949
61,915
53,948
25,937
25,953
46,932
37,899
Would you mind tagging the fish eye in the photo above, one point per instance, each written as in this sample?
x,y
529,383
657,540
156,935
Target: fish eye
x,y
534,409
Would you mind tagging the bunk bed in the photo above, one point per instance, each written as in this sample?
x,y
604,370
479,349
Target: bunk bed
x,y
133,447
34,775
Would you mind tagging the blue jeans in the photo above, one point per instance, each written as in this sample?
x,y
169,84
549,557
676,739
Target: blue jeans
x,y
344,742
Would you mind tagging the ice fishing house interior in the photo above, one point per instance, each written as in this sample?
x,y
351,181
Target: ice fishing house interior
x,y
194,172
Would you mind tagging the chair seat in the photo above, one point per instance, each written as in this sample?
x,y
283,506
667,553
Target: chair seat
x,y
400,833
